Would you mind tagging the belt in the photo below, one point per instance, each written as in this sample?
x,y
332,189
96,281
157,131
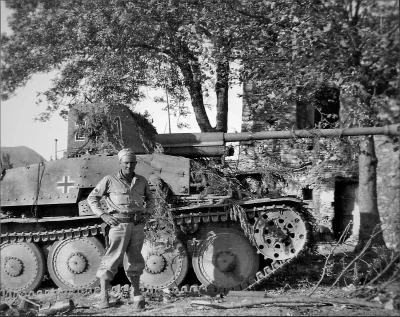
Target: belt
x,y
128,218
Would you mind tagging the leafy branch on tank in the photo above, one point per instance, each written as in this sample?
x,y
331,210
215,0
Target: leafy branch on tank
x,y
102,134
162,223
237,213
211,177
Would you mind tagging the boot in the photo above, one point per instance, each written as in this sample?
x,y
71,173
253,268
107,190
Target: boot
x,y
138,303
104,296
135,286
136,297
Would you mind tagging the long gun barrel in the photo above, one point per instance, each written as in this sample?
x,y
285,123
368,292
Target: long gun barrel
x,y
213,143
291,134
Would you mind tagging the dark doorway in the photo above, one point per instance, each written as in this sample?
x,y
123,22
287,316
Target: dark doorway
x,y
346,200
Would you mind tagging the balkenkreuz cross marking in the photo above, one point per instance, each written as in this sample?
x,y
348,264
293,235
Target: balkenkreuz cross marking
x,y
66,184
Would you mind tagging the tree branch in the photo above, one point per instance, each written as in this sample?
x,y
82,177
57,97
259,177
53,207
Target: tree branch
x,y
329,255
287,300
367,245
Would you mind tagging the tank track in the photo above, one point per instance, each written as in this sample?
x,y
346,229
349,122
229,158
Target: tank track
x,y
51,235
125,289
261,276
217,216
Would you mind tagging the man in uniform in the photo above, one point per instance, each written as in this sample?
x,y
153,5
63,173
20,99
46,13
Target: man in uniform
x,y
130,204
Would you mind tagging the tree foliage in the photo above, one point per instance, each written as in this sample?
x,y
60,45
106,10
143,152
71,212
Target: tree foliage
x,y
5,164
5,161
105,50
351,45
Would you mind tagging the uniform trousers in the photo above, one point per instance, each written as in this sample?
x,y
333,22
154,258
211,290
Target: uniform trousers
x,y
124,239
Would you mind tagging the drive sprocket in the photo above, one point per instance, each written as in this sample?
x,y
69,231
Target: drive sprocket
x,y
280,234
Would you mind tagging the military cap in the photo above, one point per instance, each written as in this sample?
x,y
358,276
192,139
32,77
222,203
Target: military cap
x,y
126,151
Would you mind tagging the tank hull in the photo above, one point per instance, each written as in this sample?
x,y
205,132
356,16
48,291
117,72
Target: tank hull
x,y
201,236
229,242
47,219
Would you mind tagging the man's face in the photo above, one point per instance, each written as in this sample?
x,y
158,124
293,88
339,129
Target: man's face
x,y
128,164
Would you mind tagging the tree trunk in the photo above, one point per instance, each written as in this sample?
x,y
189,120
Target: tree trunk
x,y
222,88
190,68
192,76
367,194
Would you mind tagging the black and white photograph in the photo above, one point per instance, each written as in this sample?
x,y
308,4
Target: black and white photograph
x,y
200,158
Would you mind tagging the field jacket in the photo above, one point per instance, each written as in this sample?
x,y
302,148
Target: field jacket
x,y
122,197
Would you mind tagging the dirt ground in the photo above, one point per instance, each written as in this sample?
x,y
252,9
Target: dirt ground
x,y
297,280
181,305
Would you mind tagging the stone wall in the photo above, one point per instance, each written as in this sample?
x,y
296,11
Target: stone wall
x,y
284,157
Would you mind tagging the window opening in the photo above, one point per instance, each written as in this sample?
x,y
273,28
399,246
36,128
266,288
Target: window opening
x,y
322,111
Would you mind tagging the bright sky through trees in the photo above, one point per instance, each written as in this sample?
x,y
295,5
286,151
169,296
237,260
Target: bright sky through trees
x,y
18,127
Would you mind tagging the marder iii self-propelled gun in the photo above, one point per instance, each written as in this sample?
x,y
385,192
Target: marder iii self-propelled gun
x,y
229,241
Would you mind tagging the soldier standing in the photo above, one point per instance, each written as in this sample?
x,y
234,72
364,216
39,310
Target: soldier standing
x,y
130,204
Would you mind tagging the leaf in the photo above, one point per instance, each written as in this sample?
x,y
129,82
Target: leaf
x,y
327,27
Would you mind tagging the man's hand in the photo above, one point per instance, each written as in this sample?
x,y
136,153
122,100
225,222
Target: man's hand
x,y
146,217
110,220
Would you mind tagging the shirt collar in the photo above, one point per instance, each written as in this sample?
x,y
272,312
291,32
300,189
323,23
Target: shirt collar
x,y
120,176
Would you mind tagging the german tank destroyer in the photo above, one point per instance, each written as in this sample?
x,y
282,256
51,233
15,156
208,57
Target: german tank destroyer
x,y
229,240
